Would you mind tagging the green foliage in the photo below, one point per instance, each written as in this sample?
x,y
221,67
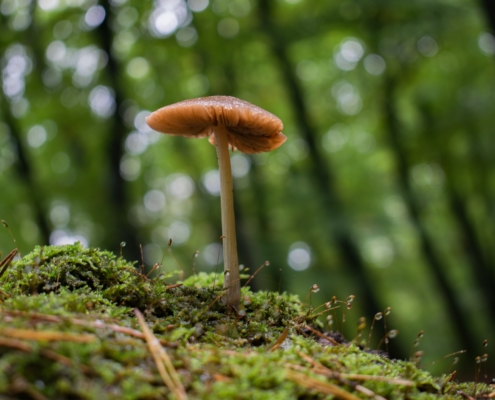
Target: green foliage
x,y
68,291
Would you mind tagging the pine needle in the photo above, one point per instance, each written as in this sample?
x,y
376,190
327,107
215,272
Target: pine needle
x,y
162,360
280,339
319,386
331,340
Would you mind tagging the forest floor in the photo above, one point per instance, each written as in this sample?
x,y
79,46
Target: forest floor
x,y
78,323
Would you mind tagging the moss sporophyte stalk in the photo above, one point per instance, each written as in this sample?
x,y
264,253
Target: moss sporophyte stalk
x,y
84,323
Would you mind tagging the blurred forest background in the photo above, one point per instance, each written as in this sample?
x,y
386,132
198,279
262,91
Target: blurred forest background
x,y
385,188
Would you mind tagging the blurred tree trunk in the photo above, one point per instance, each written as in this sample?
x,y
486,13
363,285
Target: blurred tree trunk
x,y
122,231
439,271
489,7
481,268
26,174
482,165
269,245
319,172
23,167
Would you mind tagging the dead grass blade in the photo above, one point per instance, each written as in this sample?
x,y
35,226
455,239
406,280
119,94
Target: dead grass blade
x,y
319,368
82,322
52,355
393,381
50,336
22,386
162,360
15,344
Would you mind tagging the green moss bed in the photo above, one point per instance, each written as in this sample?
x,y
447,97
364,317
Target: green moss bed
x,y
69,329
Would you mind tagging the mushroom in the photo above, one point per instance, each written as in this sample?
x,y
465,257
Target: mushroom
x,y
227,121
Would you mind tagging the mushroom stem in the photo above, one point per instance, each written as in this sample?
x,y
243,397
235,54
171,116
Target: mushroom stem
x,y
230,260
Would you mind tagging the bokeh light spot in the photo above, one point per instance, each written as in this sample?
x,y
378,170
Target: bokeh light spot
x,y
239,8
335,138
379,251
180,186
36,136
19,107
186,37
240,165
198,85
59,214
130,168
127,17
363,142
212,254
60,162
299,257
61,237
348,99
102,101
94,16
165,23
152,254
154,200
136,143
197,5
62,29
351,50
228,28
307,70
48,5
297,149
29,231
8,7
137,68
374,64
211,182
140,121
486,42
179,232
427,46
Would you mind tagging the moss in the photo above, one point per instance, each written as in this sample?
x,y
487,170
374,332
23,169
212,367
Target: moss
x,y
68,331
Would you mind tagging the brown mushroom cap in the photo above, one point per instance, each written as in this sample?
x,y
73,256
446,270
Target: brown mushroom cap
x,y
250,128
